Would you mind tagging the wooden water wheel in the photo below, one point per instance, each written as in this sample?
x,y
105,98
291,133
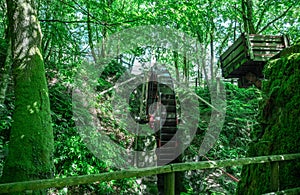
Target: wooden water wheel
x,y
164,120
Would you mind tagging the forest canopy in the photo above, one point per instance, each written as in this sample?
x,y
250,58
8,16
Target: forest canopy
x,y
108,47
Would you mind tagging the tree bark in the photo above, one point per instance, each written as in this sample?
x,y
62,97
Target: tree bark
x,y
31,138
5,74
175,55
90,37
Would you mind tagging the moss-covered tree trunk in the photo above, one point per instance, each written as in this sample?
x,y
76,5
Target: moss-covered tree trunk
x,y
280,119
31,139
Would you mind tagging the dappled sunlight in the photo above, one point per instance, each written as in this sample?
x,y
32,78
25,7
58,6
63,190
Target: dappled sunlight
x,y
27,42
149,98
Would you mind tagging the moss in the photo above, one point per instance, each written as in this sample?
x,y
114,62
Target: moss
x,y
31,140
280,118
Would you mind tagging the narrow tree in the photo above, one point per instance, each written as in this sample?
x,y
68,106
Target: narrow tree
x,y
31,138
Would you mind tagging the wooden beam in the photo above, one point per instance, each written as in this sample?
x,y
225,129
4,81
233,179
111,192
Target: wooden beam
x,y
169,183
287,191
275,176
142,172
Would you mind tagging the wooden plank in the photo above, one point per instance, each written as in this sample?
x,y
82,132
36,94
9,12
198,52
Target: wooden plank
x,y
291,191
286,41
170,122
233,55
169,144
166,136
263,57
265,38
274,176
267,45
169,183
141,172
258,48
236,44
266,53
237,67
167,156
239,61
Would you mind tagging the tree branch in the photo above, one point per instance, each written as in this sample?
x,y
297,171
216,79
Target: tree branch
x,y
262,13
94,22
275,19
65,22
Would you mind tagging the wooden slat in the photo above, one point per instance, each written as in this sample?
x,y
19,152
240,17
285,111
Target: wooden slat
x,y
171,108
236,44
267,45
142,172
274,176
169,144
168,129
265,38
255,67
291,191
167,156
166,136
171,115
256,49
262,58
231,73
170,122
169,183
168,101
239,50
234,64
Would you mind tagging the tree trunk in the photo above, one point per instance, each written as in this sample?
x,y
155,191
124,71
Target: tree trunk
x,y
212,56
31,138
90,37
185,69
175,54
5,74
247,9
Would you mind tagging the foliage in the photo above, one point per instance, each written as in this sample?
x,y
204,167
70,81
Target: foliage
x,y
72,31
71,156
240,121
279,117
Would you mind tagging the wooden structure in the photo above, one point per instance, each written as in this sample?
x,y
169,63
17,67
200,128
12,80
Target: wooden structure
x,y
29,186
163,120
247,56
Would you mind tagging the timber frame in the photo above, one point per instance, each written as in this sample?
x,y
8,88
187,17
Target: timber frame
x,y
248,54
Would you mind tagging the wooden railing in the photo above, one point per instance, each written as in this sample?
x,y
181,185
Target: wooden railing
x,y
168,170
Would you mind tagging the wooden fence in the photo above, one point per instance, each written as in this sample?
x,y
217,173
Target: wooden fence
x,y
168,170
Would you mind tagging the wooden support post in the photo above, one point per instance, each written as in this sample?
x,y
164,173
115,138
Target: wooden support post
x,y
169,183
275,176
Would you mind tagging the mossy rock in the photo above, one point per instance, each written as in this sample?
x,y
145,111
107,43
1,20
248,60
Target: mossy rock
x,y
280,114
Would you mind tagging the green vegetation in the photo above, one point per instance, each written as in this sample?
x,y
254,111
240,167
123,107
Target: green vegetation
x,y
30,148
45,45
279,117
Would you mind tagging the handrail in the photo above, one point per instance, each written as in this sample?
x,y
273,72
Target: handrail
x,y
141,172
287,191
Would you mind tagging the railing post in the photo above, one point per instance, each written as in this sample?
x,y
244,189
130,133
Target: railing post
x,y
274,176
169,183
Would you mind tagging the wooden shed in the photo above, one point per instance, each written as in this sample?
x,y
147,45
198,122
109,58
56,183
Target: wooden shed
x,y
249,53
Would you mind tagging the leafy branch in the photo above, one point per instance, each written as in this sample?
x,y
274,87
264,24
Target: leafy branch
x,y
275,19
